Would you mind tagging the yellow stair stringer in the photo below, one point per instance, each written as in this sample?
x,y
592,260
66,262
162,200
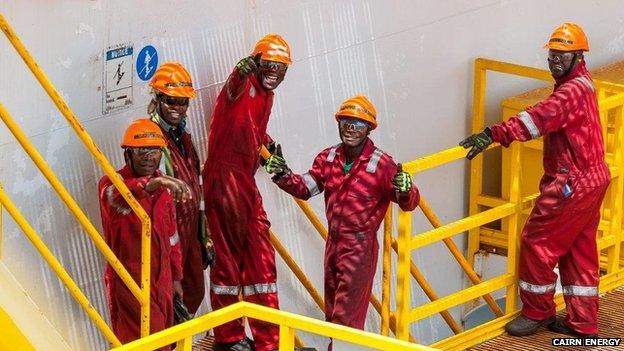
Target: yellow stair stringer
x,y
27,327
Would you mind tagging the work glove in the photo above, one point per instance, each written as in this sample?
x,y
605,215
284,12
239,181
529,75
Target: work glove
x,y
402,181
479,142
207,247
276,163
248,65
180,312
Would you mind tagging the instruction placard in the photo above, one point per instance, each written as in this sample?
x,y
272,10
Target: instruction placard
x,y
118,73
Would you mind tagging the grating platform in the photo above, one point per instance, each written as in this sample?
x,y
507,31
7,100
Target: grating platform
x,y
610,325
204,344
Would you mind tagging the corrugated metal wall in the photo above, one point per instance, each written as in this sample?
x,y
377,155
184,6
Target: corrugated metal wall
x,y
412,57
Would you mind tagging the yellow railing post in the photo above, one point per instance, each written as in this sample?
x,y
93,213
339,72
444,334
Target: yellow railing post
x,y
386,273
476,165
617,188
185,344
286,338
404,254
513,246
1,226
60,103
56,266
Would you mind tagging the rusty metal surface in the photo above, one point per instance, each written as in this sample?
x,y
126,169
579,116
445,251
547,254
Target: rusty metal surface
x,y
610,325
205,344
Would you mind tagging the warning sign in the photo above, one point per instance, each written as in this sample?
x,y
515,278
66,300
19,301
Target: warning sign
x,y
118,72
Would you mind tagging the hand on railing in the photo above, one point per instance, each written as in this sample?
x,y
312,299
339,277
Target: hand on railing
x,y
479,142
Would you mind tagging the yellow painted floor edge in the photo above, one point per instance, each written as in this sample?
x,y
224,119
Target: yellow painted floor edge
x,y
27,325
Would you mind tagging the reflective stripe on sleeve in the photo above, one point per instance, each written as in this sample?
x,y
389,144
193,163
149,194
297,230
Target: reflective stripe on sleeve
x,y
332,154
372,163
225,289
587,82
311,184
526,119
264,288
110,197
536,289
577,290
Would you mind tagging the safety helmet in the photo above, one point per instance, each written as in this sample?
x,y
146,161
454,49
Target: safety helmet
x,y
273,48
358,107
172,79
143,133
568,37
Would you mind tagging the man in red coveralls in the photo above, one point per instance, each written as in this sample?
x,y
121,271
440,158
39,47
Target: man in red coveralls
x,y
359,181
142,143
236,218
172,89
562,226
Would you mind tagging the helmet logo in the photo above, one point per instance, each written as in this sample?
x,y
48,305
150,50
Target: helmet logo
x,y
147,135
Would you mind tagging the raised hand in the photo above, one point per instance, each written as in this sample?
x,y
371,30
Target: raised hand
x,y
402,181
276,162
248,65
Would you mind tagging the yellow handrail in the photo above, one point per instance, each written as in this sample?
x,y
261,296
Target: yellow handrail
x,y
287,322
56,266
142,295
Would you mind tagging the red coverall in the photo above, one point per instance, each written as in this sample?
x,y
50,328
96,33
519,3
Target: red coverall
x,y
355,205
183,164
562,226
122,230
238,224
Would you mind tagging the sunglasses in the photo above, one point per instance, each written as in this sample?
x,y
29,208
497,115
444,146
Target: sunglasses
x,y
146,151
174,101
273,66
560,56
352,123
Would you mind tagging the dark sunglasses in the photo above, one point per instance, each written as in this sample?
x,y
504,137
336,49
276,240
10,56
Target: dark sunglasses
x,y
560,56
174,101
273,66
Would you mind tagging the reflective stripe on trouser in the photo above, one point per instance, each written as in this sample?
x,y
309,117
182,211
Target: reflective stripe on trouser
x,y
561,230
245,258
350,262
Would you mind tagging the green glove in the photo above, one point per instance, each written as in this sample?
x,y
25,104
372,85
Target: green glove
x,y
402,181
479,142
248,65
276,162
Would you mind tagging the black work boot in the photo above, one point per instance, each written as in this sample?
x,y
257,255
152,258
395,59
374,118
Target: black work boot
x,y
522,326
559,326
241,345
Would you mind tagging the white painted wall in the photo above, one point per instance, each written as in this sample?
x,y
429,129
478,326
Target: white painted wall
x,y
412,58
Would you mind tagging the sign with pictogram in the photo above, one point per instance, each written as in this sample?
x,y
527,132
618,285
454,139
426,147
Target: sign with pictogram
x,y
147,62
118,72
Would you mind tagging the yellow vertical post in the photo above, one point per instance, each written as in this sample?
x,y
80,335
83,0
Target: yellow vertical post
x,y
286,338
513,245
387,272
185,344
476,165
404,254
617,187
1,225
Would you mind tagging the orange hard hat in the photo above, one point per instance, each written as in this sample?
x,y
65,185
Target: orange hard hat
x,y
143,133
273,48
568,37
358,107
172,79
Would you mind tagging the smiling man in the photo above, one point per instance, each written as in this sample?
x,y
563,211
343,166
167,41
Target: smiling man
x,y
172,90
359,181
237,220
562,226
143,144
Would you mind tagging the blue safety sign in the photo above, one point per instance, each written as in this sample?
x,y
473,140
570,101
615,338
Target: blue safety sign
x,y
147,62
